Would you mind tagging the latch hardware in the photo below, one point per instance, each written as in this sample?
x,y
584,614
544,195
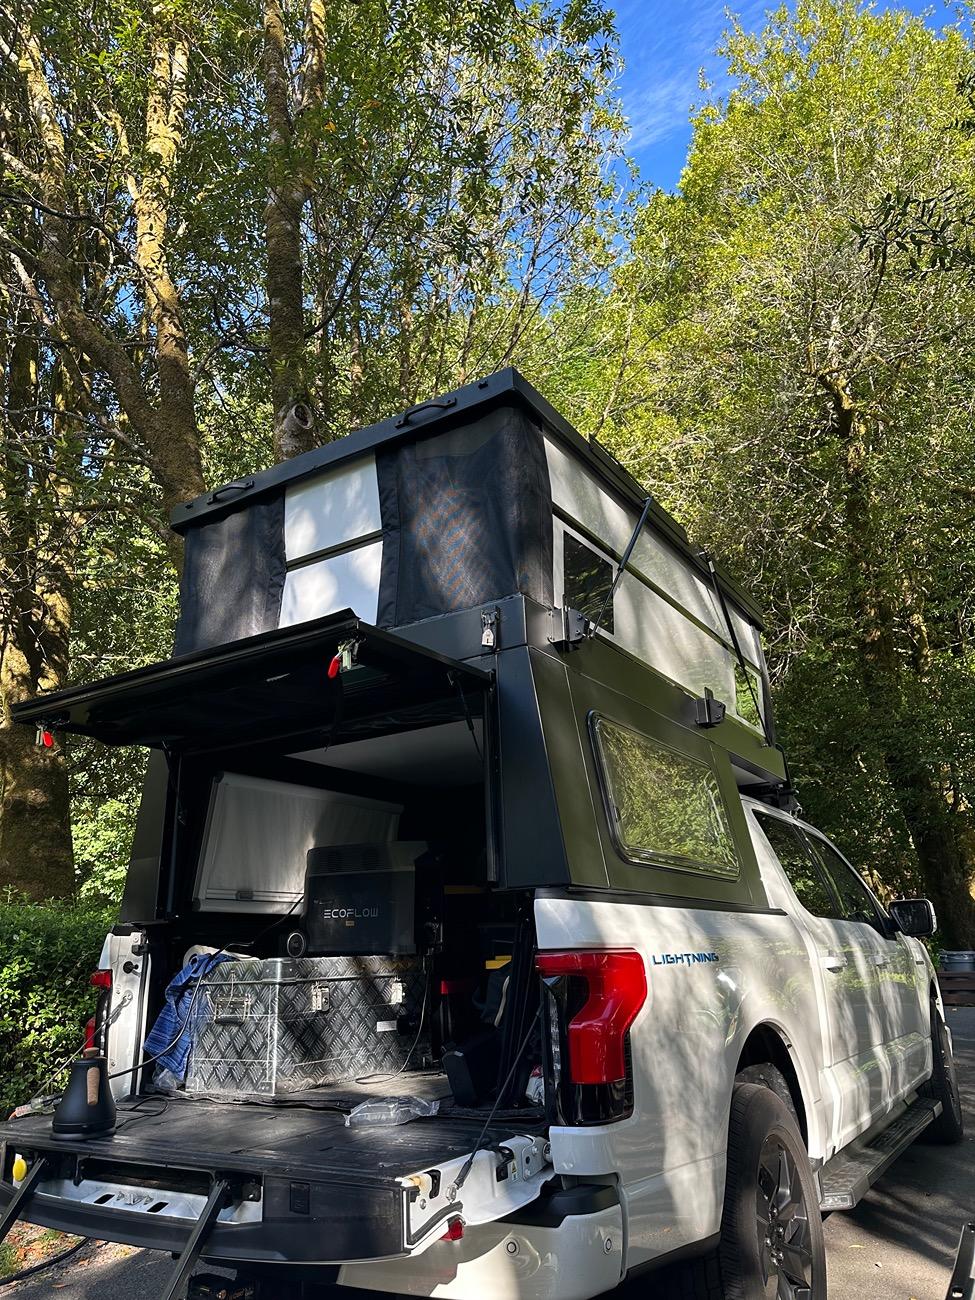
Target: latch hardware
x,y
490,627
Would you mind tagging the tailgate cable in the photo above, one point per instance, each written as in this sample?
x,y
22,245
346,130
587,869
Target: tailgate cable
x,y
480,1144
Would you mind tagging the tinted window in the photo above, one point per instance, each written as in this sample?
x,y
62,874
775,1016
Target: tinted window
x,y
856,903
587,580
666,808
804,875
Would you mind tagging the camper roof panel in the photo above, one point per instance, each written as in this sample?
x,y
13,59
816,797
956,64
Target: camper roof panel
x,y
460,408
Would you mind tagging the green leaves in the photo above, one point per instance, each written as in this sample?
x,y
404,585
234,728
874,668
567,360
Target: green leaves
x,y
787,358
48,953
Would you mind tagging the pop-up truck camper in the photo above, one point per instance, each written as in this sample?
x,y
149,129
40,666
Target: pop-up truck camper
x,y
470,944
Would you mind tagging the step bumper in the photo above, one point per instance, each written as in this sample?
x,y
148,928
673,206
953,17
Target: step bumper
x,y
340,1224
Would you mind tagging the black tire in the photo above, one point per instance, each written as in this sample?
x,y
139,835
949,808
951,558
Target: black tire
x,y
949,1128
769,1077
768,1170
762,1131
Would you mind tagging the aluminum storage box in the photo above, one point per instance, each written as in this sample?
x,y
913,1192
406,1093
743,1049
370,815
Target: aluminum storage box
x,y
284,1025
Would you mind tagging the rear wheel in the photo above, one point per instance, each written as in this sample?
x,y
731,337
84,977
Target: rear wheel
x,y
772,1245
949,1127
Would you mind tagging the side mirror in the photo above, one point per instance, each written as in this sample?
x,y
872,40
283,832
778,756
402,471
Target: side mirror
x,y
914,916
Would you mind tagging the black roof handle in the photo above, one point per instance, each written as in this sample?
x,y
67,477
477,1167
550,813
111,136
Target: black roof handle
x,y
242,485
444,404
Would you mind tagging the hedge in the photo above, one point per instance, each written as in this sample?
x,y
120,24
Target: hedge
x,y
47,953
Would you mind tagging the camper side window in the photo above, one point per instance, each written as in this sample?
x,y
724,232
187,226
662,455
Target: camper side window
x,y
665,808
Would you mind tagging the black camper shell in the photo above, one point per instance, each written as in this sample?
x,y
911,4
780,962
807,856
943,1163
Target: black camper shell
x,y
425,618
478,492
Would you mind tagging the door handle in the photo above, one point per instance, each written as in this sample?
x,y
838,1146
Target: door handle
x,y
881,959
832,961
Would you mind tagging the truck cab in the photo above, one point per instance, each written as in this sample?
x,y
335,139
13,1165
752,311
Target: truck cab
x,y
470,939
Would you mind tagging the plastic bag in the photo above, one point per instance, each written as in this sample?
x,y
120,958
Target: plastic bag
x,y
388,1111
165,1081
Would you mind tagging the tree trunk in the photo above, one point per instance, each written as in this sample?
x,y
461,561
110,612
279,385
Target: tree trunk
x,y
287,195
940,833
35,834
942,843
166,427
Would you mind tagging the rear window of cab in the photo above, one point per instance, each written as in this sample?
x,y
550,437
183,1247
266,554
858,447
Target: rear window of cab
x,y
665,808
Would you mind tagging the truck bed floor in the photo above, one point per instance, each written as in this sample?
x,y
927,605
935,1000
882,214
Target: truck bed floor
x,y
172,1133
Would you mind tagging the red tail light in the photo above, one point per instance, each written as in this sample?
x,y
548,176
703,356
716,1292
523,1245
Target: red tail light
x,y
589,1001
617,989
101,979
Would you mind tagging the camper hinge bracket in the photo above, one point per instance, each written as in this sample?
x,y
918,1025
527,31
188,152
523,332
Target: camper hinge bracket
x,y
709,712
490,627
568,629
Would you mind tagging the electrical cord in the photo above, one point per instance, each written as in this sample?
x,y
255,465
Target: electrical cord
x,y
45,1263
381,1078
39,1097
479,1145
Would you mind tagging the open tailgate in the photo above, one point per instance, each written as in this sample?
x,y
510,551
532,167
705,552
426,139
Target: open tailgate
x,y
302,1186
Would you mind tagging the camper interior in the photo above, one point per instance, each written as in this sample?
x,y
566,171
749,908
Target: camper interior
x,y
350,885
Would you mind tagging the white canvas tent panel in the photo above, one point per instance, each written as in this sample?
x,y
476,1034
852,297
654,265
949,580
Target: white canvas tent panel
x,y
332,514
332,509
664,612
349,580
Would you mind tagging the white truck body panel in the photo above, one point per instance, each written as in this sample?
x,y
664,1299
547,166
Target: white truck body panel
x,y
858,1045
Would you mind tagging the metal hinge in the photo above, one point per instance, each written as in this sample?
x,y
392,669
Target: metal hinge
x,y
568,629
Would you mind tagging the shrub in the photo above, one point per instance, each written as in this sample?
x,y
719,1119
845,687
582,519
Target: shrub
x,y
47,952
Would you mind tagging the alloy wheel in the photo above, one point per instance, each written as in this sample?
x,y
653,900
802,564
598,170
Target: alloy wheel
x,y
784,1239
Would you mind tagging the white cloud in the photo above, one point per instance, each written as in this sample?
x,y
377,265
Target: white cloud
x,y
664,48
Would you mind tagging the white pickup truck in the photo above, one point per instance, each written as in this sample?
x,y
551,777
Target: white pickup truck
x,y
512,841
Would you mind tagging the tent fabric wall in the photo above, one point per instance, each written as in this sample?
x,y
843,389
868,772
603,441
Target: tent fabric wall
x,y
234,570
467,518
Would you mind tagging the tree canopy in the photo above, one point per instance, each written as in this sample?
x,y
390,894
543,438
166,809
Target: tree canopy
x,y
229,231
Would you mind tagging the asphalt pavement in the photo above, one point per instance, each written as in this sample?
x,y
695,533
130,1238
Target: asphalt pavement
x,y
898,1244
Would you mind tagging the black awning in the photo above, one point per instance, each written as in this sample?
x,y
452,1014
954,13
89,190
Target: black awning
x,y
270,686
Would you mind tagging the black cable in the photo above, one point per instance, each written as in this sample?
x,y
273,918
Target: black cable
x,y
479,1144
384,1078
47,1263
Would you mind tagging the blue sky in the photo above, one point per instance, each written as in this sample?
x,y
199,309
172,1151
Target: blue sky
x,y
665,43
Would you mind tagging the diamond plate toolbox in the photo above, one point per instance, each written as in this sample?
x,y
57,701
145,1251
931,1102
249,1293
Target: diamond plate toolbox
x,y
279,1026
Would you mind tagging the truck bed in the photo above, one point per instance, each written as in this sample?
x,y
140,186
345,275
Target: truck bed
x,y
291,1169
288,1141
